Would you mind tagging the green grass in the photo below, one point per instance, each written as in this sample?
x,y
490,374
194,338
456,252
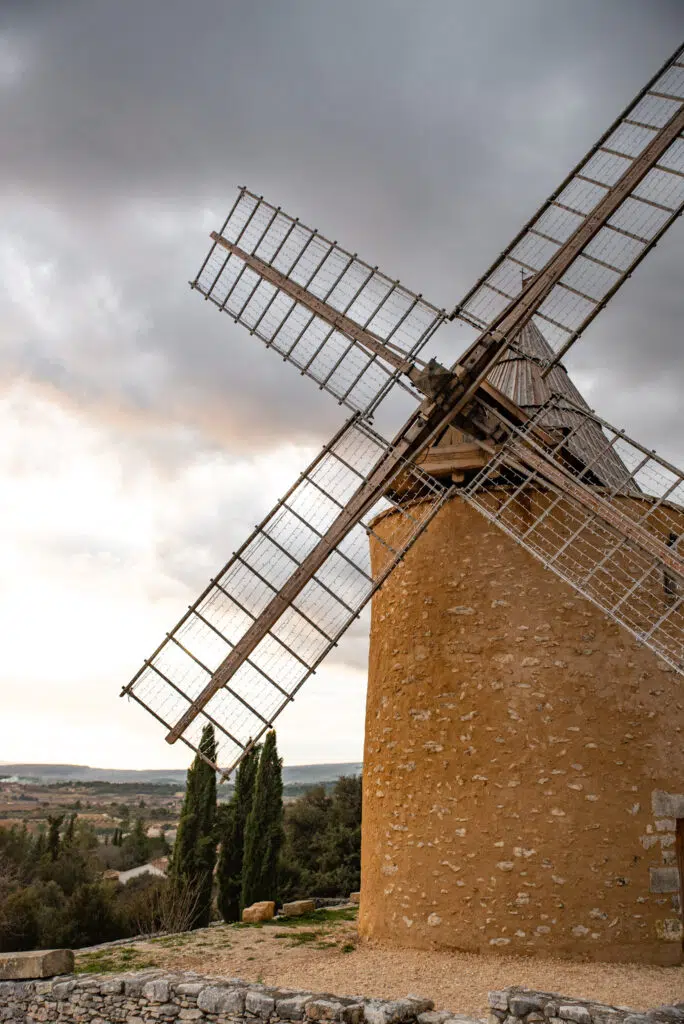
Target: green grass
x,y
172,940
299,938
329,916
348,947
110,961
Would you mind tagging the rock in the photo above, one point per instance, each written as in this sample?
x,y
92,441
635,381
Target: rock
x,y
498,1000
379,1011
216,999
664,879
299,907
263,911
156,991
41,963
189,988
578,1014
292,1007
353,1014
63,989
525,1002
112,987
324,1009
434,1017
259,1003
354,897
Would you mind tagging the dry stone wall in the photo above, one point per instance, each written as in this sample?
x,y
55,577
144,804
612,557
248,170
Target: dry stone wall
x,y
151,997
522,1006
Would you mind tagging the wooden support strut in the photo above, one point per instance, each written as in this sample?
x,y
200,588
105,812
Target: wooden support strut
x,y
512,319
339,321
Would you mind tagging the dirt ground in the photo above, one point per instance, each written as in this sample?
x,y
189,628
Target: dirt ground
x,y
323,954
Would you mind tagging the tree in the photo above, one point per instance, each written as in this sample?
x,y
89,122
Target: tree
x,y
194,853
136,845
231,833
264,828
54,825
68,834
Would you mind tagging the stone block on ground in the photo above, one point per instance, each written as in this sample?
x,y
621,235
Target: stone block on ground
x,y
299,907
354,897
263,911
39,963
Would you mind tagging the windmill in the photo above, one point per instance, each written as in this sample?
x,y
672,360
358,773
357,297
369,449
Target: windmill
x,y
240,654
594,506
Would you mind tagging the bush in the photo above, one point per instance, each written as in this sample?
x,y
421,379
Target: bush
x,y
322,851
92,916
32,918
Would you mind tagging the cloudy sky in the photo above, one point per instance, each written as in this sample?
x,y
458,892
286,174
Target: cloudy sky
x,y
142,434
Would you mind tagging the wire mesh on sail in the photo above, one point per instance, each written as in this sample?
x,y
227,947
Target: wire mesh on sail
x,y
393,314
262,687
619,544
633,229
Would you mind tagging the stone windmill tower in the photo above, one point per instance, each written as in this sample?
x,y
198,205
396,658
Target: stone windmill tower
x,y
523,754
524,773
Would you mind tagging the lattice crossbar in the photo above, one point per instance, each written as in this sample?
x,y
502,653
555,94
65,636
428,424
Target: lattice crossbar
x,y
622,546
311,625
641,218
340,365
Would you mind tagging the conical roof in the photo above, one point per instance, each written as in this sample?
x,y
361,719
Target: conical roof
x,y
520,379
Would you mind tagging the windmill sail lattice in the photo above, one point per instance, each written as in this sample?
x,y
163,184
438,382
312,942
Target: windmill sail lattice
x,y
353,291
638,166
585,532
594,506
307,627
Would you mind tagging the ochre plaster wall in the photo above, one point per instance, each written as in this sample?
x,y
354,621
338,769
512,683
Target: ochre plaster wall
x,y
524,761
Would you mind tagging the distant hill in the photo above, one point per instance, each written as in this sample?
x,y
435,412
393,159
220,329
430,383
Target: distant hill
x,y
296,774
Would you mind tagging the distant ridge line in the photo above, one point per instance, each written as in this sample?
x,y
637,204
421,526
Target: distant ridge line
x,y
307,774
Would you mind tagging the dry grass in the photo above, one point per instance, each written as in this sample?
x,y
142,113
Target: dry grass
x,y
321,953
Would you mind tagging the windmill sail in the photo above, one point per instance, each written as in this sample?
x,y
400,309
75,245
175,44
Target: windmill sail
x,y
356,327
616,204
195,677
617,544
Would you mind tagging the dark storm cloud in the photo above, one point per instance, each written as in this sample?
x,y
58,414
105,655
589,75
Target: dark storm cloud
x,y
420,134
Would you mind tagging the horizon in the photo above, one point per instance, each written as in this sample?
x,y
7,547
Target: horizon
x,y
109,768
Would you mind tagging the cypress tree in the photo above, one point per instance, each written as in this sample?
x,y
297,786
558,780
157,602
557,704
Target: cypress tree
x,y
194,852
53,843
232,838
264,828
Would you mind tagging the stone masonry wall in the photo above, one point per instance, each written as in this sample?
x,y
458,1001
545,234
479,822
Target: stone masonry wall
x,y
151,997
522,1006
523,764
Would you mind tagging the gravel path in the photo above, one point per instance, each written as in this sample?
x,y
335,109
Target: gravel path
x,y
329,958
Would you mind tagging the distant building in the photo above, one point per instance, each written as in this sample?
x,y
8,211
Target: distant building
x,y
143,869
